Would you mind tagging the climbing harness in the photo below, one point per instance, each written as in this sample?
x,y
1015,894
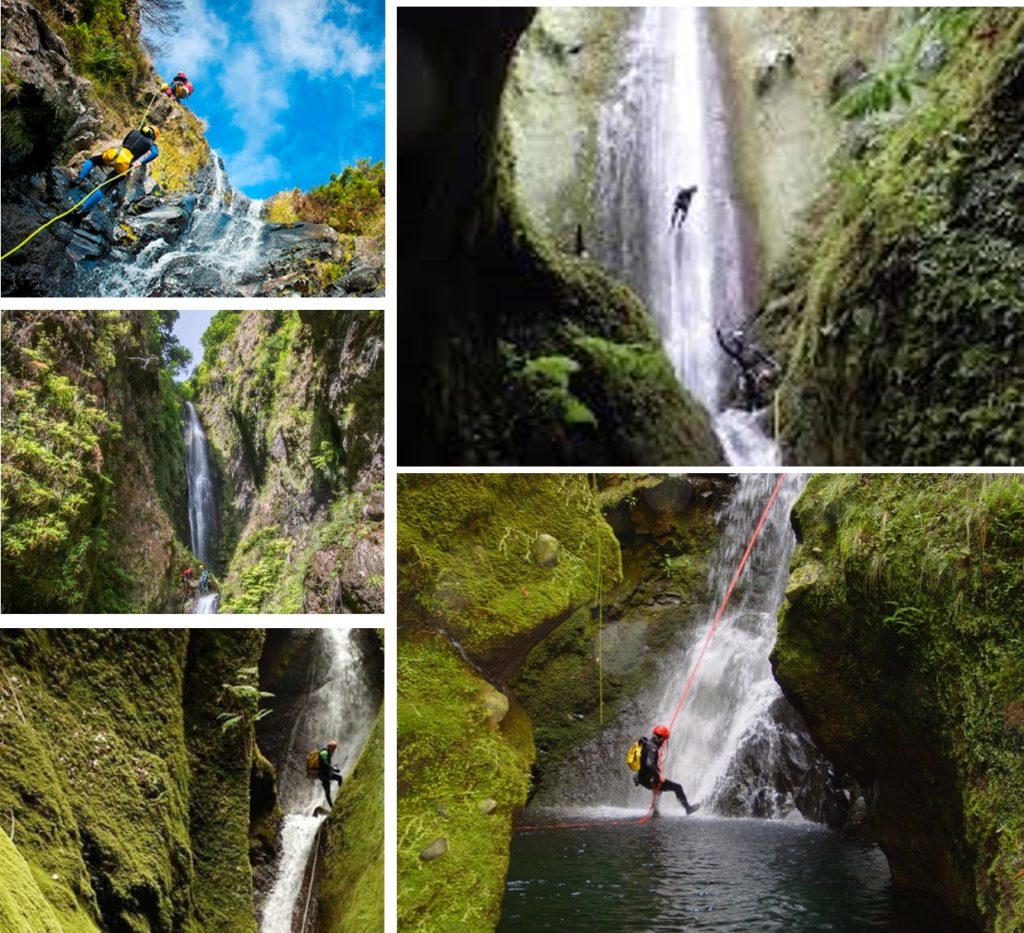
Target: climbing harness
x,y
715,622
114,177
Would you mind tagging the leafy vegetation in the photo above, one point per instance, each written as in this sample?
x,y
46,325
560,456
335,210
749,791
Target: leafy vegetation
x,y
72,381
352,202
905,345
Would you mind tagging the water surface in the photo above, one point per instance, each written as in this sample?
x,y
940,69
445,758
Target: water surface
x,y
678,873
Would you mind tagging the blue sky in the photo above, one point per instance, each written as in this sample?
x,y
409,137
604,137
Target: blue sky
x,y
190,326
291,90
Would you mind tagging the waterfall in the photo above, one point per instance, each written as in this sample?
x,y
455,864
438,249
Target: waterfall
x,y
734,742
202,507
339,704
223,241
206,605
666,127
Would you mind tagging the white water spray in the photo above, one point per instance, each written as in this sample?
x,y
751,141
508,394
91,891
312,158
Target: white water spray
x,y
665,128
728,715
223,241
339,704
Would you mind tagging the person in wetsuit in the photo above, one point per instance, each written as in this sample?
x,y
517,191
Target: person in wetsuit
x,y
755,367
137,148
650,775
681,207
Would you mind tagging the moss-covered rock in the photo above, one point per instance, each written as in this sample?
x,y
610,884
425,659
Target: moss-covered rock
x,y
472,601
130,806
293,407
899,314
466,549
351,894
901,646
23,908
93,463
450,757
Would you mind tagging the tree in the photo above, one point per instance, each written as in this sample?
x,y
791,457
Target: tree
x,y
175,355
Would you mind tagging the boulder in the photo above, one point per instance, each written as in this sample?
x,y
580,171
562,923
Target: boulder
x,y
435,850
545,550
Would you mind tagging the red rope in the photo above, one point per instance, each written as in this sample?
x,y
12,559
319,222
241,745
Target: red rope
x,y
689,680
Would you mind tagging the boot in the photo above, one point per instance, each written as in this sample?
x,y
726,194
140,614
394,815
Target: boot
x,y
691,809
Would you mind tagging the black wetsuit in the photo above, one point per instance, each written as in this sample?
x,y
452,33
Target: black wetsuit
x,y
749,359
647,776
327,773
682,205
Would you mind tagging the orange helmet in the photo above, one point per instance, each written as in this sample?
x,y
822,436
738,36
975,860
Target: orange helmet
x,y
661,731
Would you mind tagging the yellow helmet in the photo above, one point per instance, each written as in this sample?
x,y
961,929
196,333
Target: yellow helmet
x,y
152,132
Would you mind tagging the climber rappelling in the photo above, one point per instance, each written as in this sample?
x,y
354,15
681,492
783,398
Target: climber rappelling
x,y
180,89
137,148
757,369
681,206
645,759
318,766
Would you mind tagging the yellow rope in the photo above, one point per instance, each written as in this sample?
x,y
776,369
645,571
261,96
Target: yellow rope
x,y
113,177
39,230
149,107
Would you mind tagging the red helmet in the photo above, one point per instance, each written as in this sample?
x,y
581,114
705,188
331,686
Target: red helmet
x,y
661,730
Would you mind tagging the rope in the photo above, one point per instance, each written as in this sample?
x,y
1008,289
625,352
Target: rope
x,y
312,875
149,107
689,680
113,177
74,207
600,632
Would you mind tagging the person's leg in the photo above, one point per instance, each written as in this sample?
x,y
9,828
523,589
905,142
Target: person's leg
x,y
326,782
91,201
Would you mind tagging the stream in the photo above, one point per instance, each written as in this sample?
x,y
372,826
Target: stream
x,y
666,127
202,504
339,704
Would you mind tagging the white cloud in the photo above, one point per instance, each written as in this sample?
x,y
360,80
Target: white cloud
x,y
200,40
302,36
252,165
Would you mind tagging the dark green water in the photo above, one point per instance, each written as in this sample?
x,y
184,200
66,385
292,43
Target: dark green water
x,y
744,876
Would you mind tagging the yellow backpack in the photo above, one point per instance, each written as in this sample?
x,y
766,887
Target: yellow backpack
x,y
635,756
313,763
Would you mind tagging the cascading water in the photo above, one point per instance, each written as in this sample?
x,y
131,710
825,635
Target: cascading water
x,y
339,704
731,716
202,505
664,128
222,242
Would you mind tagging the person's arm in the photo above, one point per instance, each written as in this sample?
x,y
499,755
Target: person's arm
x,y
150,156
729,351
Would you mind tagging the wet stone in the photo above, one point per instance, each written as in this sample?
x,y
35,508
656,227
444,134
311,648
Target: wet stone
x,y
435,850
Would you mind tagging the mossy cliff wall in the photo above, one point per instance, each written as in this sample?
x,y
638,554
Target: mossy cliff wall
x,y
899,313
479,585
783,130
351,895
666,532
292,403
564,66
518,353
93,464
901,645
128,806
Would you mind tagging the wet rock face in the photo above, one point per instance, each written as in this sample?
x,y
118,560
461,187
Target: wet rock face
x,y
47,107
